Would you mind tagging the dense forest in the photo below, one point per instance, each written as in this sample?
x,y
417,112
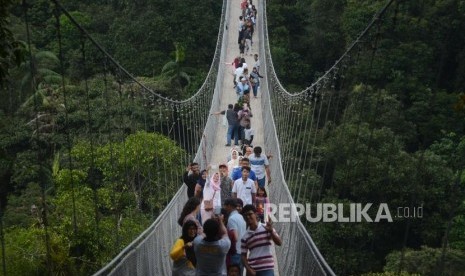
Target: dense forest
x,y
400,139
82,172
418,75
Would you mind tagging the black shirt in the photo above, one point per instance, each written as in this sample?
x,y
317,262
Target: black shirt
x,y
190,180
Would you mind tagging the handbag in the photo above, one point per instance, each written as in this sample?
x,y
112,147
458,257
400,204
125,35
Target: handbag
x,y
208,204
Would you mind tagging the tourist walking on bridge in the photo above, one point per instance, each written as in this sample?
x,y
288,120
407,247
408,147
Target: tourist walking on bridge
x,y
233,124
244,187
226,183
182,252
211,197
256,243
211,250
260,165
190,177
255,81
189,212
237,227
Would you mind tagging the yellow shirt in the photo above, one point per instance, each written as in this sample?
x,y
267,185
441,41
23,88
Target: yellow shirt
x,y
177,252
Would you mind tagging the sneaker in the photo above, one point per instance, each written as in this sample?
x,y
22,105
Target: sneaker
x,y
227,145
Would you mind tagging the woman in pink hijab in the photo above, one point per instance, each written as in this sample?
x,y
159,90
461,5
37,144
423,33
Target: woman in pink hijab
x,y
211,192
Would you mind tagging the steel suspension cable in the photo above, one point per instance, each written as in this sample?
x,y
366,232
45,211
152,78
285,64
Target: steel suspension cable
x,y
313,126
323,136
2,241
36,138
108,114
291,118
340,91
313,151
328,130
290,115
92,171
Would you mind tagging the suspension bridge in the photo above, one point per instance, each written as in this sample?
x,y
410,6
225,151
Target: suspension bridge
x,y
148,255
290,126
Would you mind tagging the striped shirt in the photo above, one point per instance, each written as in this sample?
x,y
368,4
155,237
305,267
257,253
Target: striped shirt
x,y
259,244
257,164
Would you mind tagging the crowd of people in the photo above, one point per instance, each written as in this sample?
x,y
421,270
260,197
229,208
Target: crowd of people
x,y
224,229
224,226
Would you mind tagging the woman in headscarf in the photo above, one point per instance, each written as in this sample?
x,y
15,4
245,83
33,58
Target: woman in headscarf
x,y
211,197
201,184
182,252
234,161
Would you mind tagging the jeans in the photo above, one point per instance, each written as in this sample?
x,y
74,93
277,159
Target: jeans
x,y
232,129
261,182
269,272
255,89
240,130
249,46
236,259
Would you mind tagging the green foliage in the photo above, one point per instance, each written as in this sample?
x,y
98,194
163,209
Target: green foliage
x,y
398,134
402,273
11,49
303,42
133,166
38,71
142,39
427,261
94,209
22,207
457,233
25,252
67,209
351,244
366,152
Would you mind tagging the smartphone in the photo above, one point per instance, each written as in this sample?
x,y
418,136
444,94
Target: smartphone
x,y
217,210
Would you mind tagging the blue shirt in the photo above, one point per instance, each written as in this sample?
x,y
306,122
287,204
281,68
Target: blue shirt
x,y
237,173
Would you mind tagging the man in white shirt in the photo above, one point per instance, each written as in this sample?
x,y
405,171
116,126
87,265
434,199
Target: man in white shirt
x,y
238,73
241,24
257,62
244,188
248,133
236,228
